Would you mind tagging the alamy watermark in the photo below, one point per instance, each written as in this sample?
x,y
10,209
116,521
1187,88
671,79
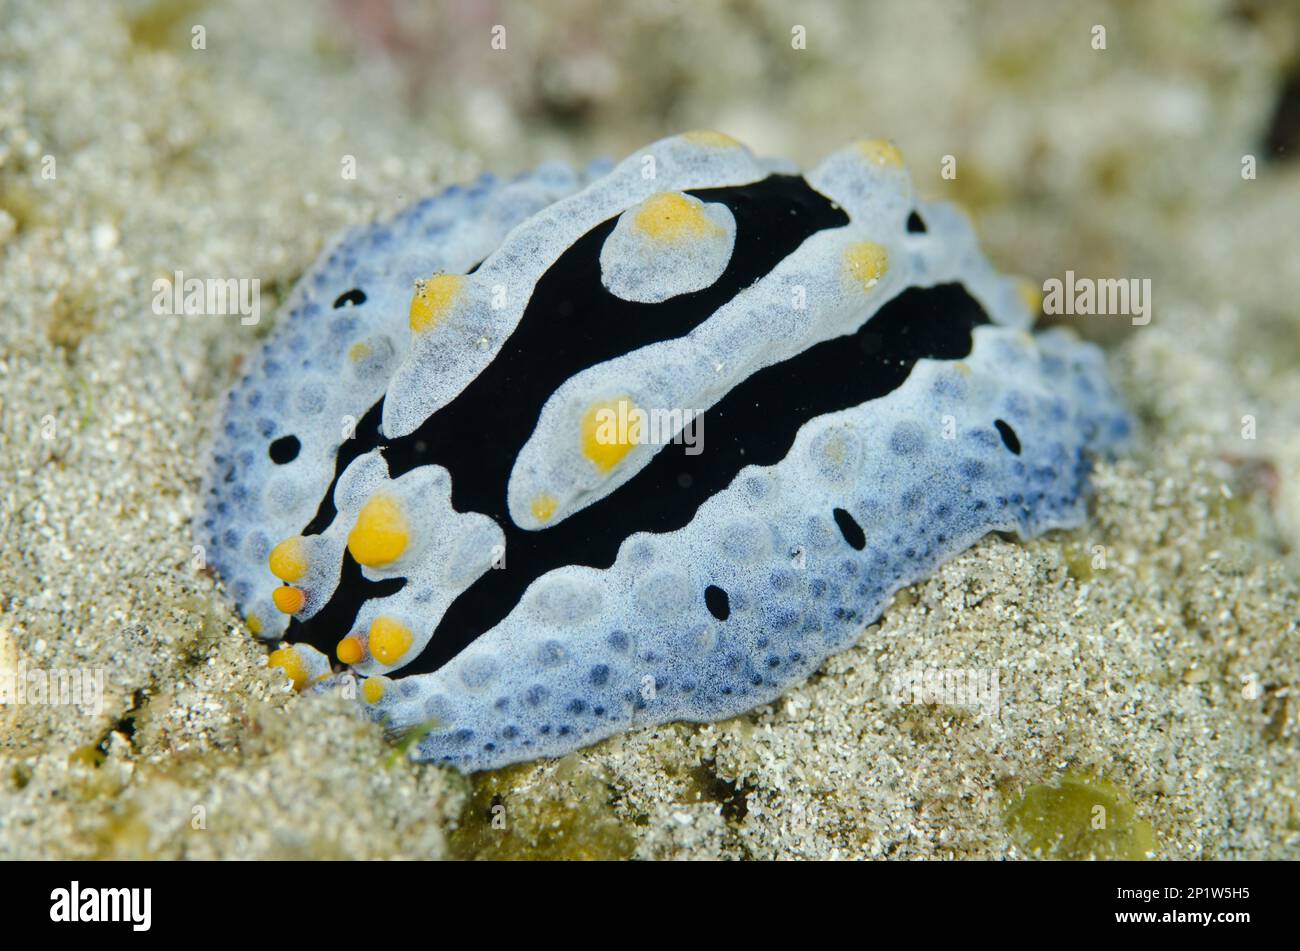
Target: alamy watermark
x,y
629,425
1105,297
977,688
133,906
80,687
209,297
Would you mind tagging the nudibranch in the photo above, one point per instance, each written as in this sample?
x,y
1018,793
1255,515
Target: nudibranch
x,y
441,476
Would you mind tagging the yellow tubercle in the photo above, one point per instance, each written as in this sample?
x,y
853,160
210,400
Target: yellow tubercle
x,y
254,623
433,300
359,351
381,532
672,216
543,507
866,263
289,600
350,650
1031,295
290,661
390,639
288,560
609,431
374,688
712,139
880,153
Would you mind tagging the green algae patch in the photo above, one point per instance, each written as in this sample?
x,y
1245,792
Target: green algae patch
x,y
559,812
1081,818
404,744
1084,560
163,25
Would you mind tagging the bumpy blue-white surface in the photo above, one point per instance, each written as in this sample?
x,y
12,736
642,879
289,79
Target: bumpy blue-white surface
x,y
303,382
587,652
591,652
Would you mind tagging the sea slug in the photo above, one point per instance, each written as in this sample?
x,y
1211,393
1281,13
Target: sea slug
x,y
541,460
